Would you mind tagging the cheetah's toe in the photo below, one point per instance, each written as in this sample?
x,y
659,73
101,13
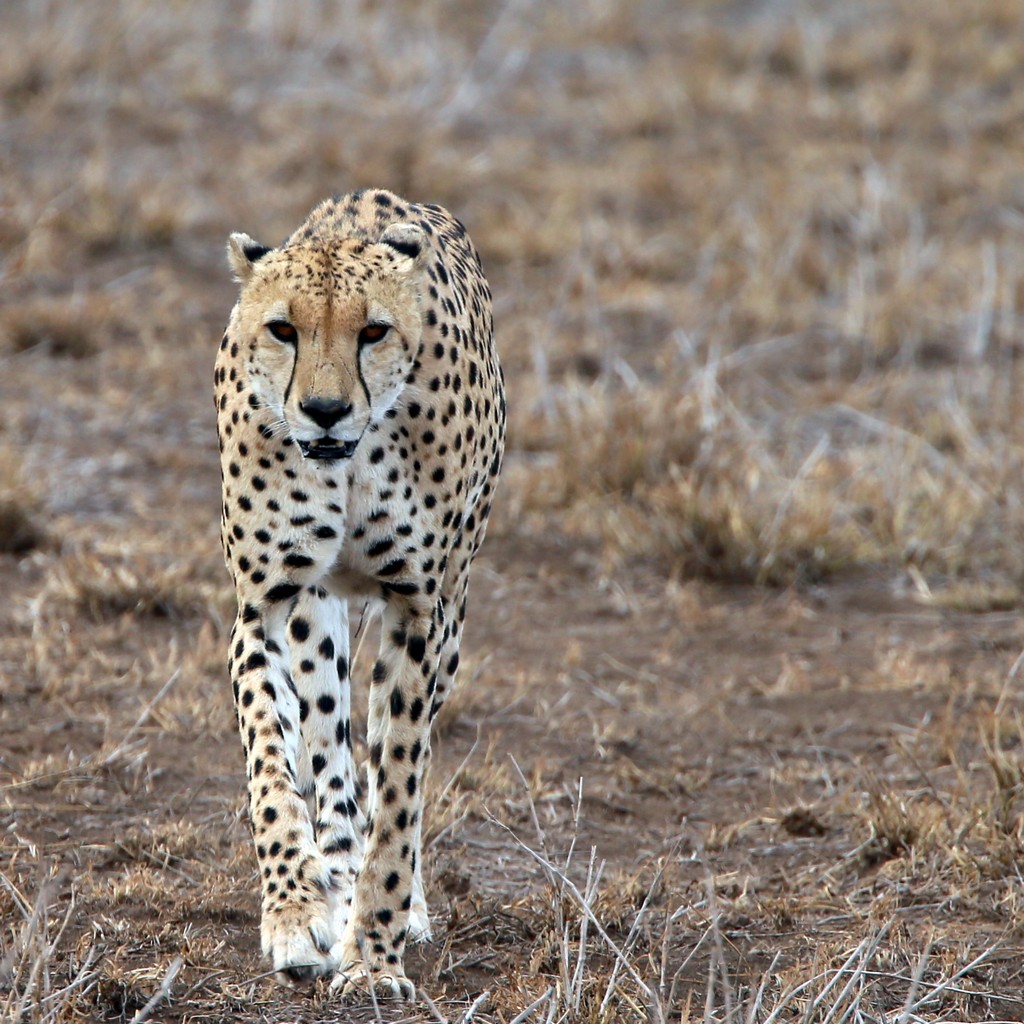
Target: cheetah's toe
x,y
354,979
298,945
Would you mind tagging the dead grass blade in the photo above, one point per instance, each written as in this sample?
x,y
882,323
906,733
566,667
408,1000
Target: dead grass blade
x,y
161,993
28,971
528,1012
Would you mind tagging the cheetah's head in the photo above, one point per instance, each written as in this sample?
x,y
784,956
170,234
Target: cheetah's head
x,y
329,331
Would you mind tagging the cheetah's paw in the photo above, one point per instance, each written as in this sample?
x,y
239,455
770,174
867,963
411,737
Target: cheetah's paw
x,y
355,979
297,941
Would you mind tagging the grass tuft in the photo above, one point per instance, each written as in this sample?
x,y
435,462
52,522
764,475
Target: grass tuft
x,y
23,517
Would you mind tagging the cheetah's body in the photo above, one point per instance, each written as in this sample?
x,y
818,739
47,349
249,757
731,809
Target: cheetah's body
x,y
361,420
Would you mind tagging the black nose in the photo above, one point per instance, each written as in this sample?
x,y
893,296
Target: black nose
x,y
325,412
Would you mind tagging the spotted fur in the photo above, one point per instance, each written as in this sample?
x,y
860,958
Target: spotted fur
x,y
361,416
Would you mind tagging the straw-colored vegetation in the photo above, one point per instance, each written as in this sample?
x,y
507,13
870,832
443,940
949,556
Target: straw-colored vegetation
x,y
739,738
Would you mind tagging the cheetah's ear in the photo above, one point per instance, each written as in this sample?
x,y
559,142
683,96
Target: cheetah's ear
x,y
407,240
243,252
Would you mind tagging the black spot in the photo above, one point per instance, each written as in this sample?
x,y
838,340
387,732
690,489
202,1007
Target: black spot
x,y
326,648
325,532
391,882
300,629
325,703
282,591
319,763
379,547
397,703
416,710
417,648
401,588
270,815
297,561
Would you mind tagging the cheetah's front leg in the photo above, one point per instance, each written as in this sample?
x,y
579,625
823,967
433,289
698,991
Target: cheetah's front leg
x,y
404,679
318,640
296,926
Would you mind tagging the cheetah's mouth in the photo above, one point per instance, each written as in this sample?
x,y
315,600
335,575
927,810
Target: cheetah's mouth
x,y
326,448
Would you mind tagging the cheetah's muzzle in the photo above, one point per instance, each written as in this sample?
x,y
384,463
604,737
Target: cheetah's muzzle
x,y
326,450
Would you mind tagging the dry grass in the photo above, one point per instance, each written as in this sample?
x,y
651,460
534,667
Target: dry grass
x,y
759,293
23,525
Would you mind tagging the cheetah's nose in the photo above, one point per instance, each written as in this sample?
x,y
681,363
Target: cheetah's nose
x,y
325,412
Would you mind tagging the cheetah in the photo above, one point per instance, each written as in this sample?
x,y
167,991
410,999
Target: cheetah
x,y
361,419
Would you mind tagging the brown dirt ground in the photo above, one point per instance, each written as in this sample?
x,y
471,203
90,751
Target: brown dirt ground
x,y
725,734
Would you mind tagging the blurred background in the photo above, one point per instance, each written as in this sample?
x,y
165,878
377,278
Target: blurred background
x,y
759,285
757,264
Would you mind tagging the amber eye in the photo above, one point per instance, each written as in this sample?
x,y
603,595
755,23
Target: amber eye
x,y
283,331
373,332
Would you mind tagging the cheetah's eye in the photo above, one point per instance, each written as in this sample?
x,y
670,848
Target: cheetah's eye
x,y
283,331
373,332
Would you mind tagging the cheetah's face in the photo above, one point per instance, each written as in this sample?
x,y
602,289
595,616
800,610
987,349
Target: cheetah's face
x,y
329,332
